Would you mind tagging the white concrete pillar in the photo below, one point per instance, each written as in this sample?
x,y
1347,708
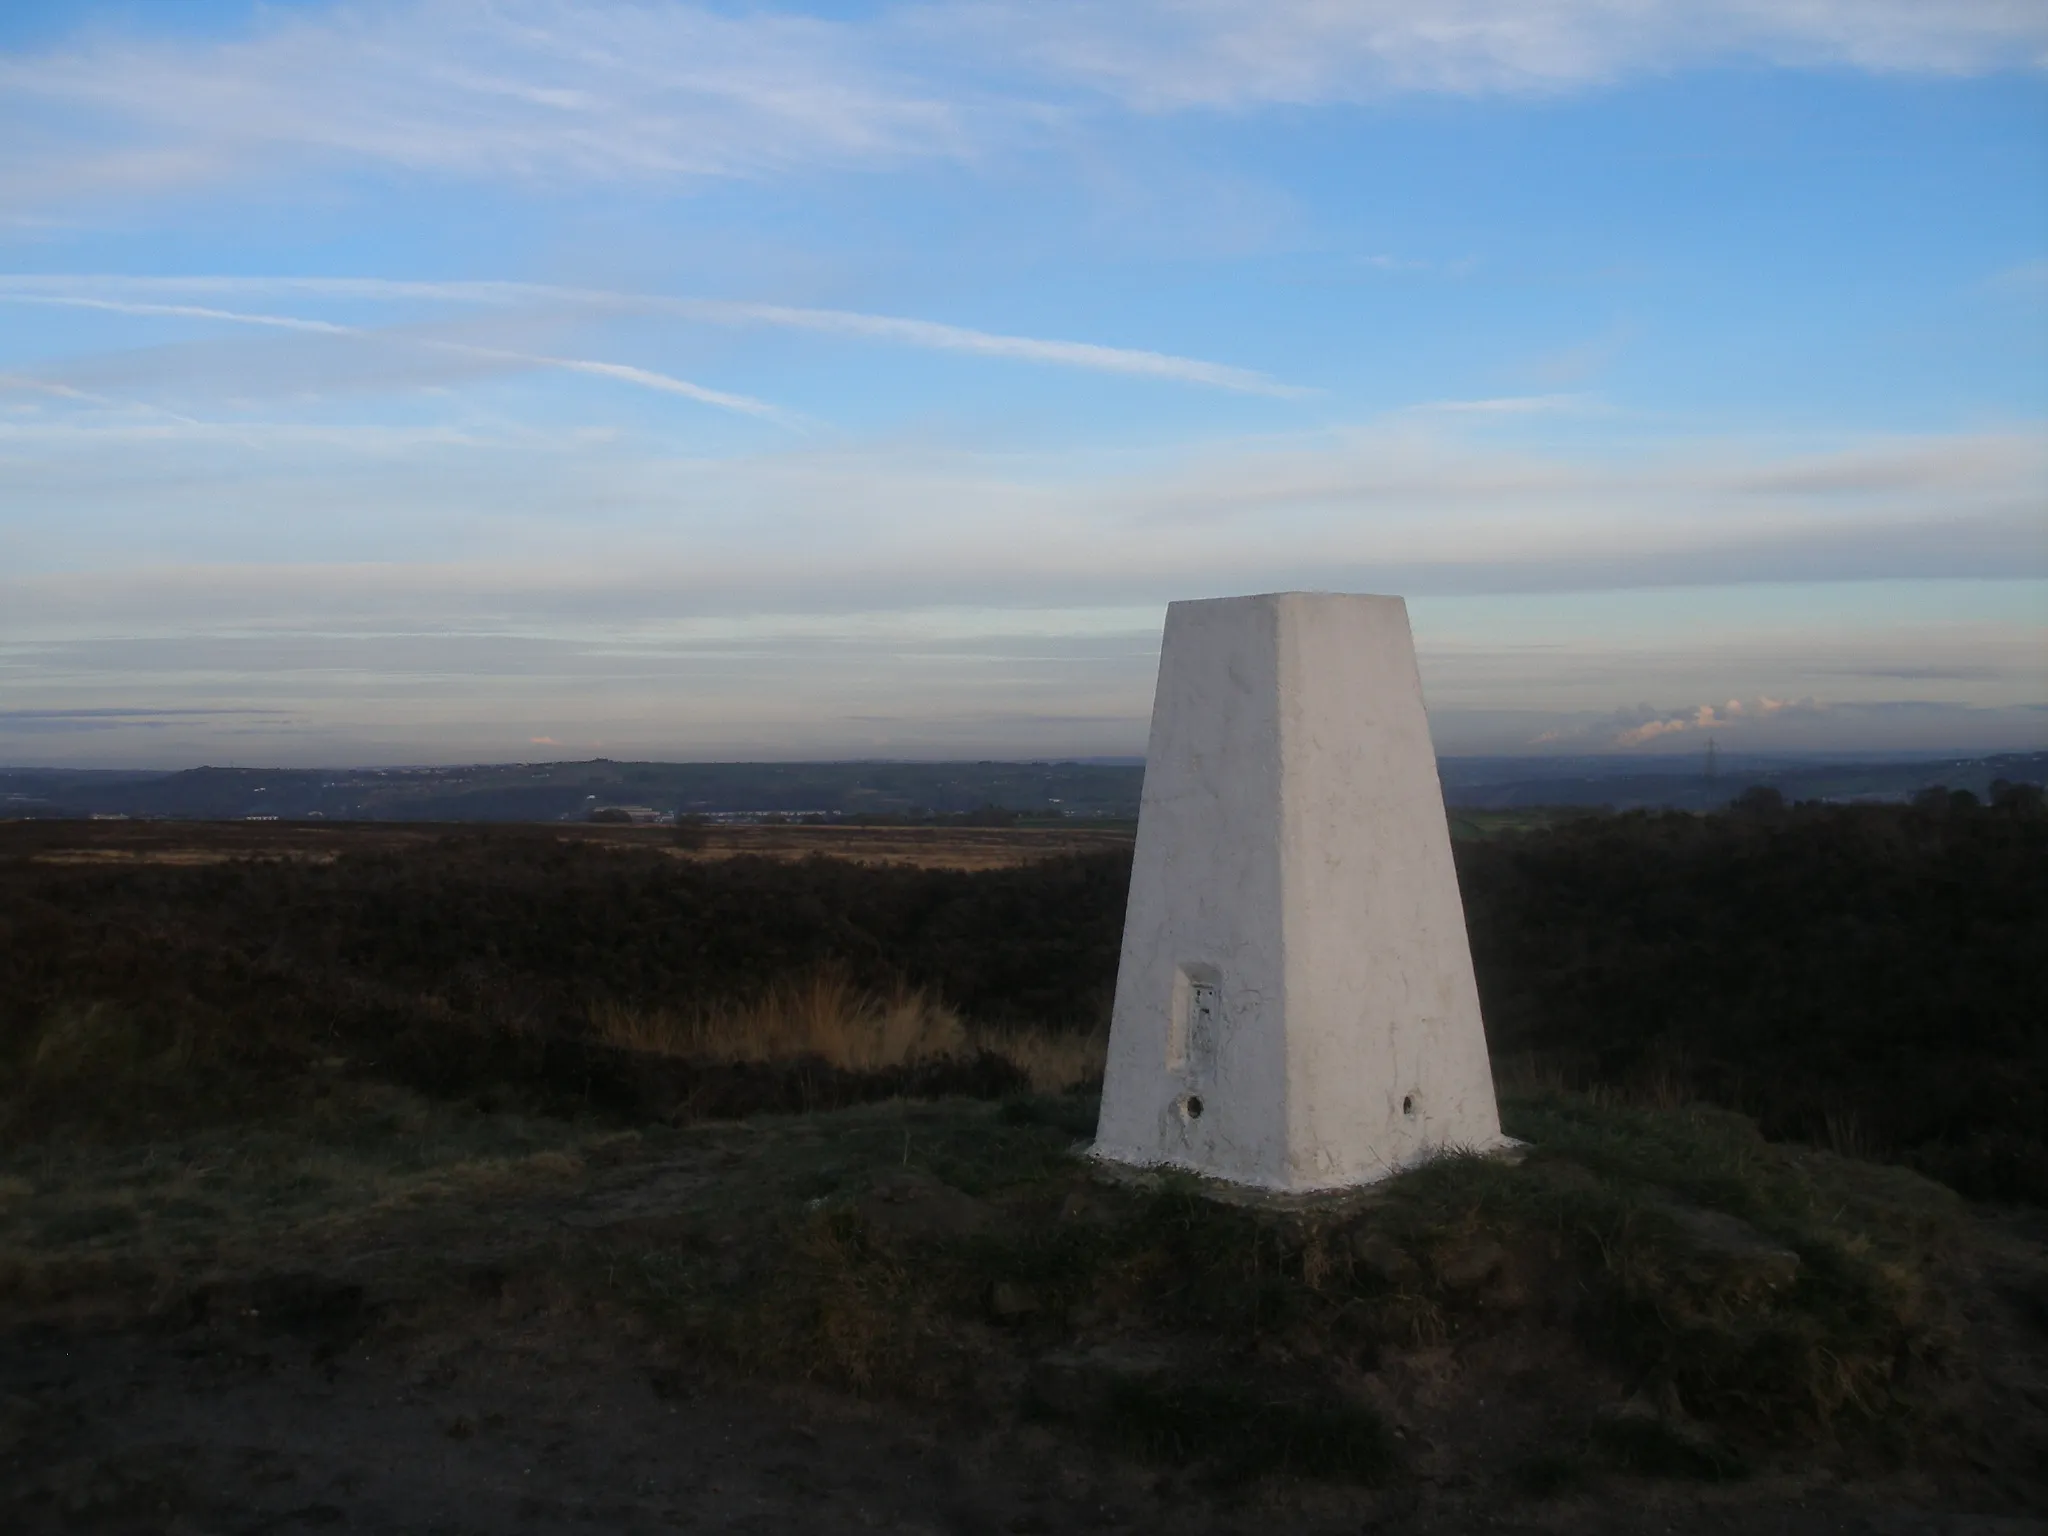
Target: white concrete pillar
x,y
1295,1007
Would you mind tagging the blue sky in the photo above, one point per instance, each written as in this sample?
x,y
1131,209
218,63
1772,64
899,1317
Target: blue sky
x,y
439,380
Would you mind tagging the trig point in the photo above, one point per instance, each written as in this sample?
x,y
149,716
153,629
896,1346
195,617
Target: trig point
x,y
1295,1007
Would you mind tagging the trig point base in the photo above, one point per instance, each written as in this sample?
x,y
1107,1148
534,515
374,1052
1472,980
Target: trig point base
x,y
1295,1007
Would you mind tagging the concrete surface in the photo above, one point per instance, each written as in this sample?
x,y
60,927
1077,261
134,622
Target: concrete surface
x,y
1295,1008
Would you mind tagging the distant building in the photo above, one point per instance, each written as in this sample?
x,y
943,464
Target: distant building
x,y
630,815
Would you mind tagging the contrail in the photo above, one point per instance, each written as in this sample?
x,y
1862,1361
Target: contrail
x,y
930,335
935,336
182,311
645,378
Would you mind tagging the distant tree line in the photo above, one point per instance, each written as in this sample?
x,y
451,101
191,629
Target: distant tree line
x,y
1875,977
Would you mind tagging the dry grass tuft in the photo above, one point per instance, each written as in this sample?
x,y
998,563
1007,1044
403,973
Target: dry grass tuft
x,y
1055,1061
93,1040
827,1017
823,1015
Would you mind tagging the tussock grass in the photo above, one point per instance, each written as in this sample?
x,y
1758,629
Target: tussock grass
x,y
100,1066
1055,1061
1760,1296
1752,1282
827,1017
824,1016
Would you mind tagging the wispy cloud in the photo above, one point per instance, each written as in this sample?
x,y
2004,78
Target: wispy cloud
x,y
1398,505
139,713
90,291
2028,277
69,722
549,90
364,682
575,91
1952,464
1511,405
48,387
1164,55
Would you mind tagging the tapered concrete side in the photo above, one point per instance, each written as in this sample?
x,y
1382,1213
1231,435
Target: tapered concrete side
x,y
1295,1007
1206,1090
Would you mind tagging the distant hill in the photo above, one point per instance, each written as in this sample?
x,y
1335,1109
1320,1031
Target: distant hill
x,y
1097,789
569,791
1499,783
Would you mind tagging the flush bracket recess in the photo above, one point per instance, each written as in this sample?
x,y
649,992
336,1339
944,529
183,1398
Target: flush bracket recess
x,y
1196,1032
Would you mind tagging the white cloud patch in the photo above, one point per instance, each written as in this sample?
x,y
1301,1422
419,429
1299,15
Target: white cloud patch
x,y
1641,724
1704,717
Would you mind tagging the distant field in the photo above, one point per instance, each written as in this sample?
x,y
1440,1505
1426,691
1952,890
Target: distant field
x,y
918,847
965,848
213,842
115,843
1468,822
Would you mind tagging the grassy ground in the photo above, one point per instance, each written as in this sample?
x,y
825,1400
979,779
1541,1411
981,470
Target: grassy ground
x,y
93,1226
470,1093
1747,1298
1661,1293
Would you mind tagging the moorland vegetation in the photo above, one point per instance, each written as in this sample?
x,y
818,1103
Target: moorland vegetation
x,y
1868,978
812,1118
